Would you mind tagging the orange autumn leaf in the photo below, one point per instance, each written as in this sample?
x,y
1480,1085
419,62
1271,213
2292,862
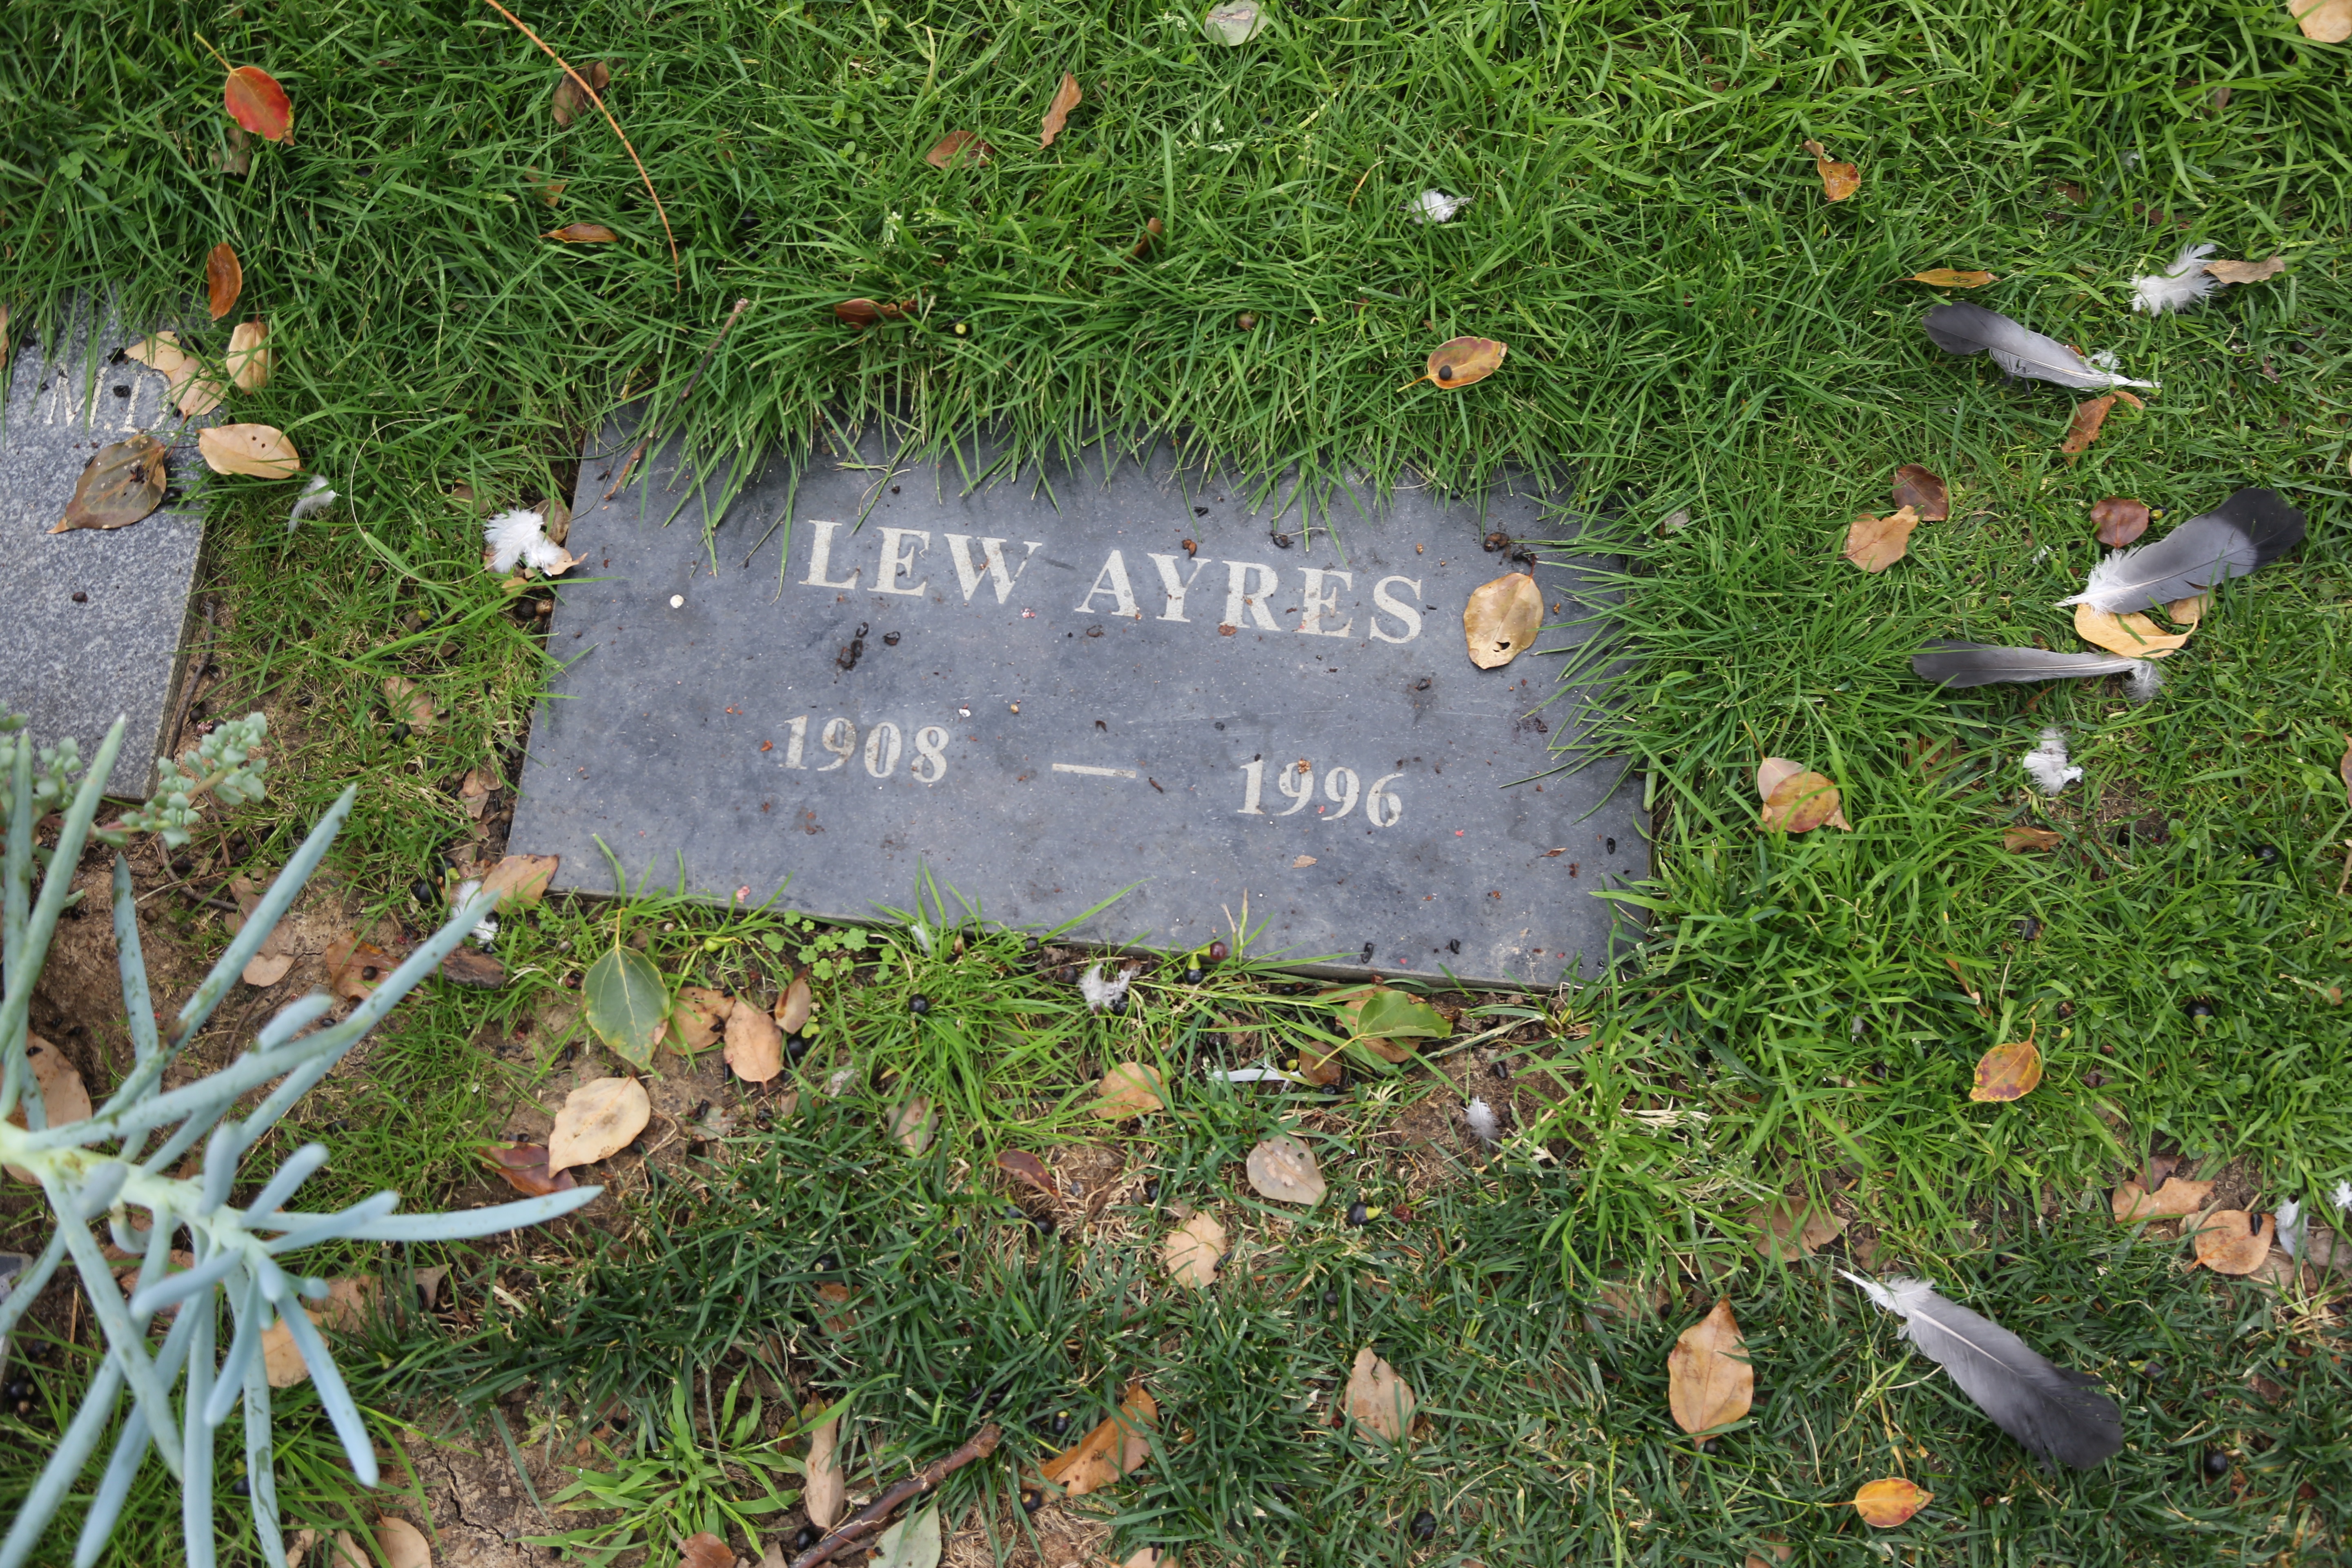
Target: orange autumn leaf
x,y
1057,113
1839,181
959,147
2090,416
2177,1199
1874,544
582,233
1945,278
1458,361
2227,1243
2007,1072
223,278
1801,803
1886,1504
257,103
2133,636
1115,1448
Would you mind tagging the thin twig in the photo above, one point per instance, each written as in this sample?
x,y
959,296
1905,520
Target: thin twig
x,y
684,393
870,1520
581,83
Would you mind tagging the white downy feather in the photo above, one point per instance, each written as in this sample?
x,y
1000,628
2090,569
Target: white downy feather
x,y
520,538
1435,206
2178,287
1102,993
2047,764
2144,681
1483,1126
2342,1197
2290,1227
485,931
315,497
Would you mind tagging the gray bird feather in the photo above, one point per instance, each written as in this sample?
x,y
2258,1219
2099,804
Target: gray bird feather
x,y
2249,530
1982,664
1961,329
2050,1410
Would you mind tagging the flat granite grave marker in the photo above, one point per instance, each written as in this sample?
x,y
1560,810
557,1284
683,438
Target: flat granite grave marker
x,y
94,622
1048,693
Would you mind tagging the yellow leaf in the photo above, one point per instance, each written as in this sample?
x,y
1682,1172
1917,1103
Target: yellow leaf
x,y
2133,636
249,356
1501,619
1945,278
1874,544
1458,361
260,450
1709,1384
2007,1072
1839,181
1801,803
1886,1504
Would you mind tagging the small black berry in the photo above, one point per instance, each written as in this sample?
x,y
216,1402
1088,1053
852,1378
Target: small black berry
x,y
1195,976
241,1487
1425,1525
1032,1501
18,1391
1359,1214
422,891
1119,1005
1061,1423
918,1005
2028,927
795,1047
1046,1224
1502,1070
826,1263
399,733
808,1535
2199,1006
2268,854
2216,1463
1151,1191
1331,1295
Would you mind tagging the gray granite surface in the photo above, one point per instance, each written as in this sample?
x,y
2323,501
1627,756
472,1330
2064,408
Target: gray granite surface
x,y
1033,695
94,620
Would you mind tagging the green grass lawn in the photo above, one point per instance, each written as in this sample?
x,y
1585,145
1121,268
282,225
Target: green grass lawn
x,y
1693,329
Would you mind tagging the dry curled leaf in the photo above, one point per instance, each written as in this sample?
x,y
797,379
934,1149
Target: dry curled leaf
x,y
569,98
2007,1072
1839,181
1790,1228
1801,803
2245,272
264,970
1886,1504
599,1120
1067,97
864,313
792,1008
700,1016
2133,636
195,392
1115,1447
1946,277
122,484
249,356
1152,230
354,968
824,1489
703,1550
1029,1168
521,882
2323,21
1284,1169
1192,1250
2090,417
1501,619
64,1097
410,701
2176,1199
959,147
2119,520
912,1122
224,279
471,966
1458,361
1922,492
2190,611
582,233
2018,840
1709,1384
524,1166
260,450
755,1047
1128,1090
2228,1243
403,1545
256,102
1874,544
1378,1399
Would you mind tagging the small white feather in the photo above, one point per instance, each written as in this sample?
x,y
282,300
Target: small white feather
x,y
315,497
1483,1126
2290,1227
2178,287
487,931
2047,764
1102,992
520,538
2342,1197
1435,206
2144,681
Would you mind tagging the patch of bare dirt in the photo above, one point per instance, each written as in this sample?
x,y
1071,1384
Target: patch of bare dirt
x,y
477,1511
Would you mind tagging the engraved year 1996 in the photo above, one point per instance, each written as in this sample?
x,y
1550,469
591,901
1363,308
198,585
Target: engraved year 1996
x,y
884,745
1383,807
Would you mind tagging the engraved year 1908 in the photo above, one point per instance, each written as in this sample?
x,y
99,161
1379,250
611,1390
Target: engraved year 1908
x,y
884,745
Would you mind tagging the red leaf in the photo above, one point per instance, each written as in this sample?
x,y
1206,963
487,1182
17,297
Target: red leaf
x,y
524,1165
256,102
1029,1168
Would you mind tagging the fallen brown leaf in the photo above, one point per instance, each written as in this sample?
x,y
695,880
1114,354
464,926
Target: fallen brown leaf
x,y
1790,1228
412,703
2133,636
2090,416
1458,361
865,313
1886,1504
1922,492
1874,544
249,356
700,1017
1029,1168
1708,1381
1192,1250
703,1550
472,967
354,968
1103,1455
599,1120
474,791
1152,230
2246,271
2007,1072
1801,803
2018,840
1945,278
569,100
1781,1552
403,1545
223,278
259,450
1839,181
64,1097
1502,618
2323,21
958,147
1284,1169
842,1320
582,233
121,485
2119,520
195,392
1067,97
1378,1399
911,1123
2227,1242
2177,1199
2190,611
264,970
524,1166
520,880
824,1489
755,1047
1130,1089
